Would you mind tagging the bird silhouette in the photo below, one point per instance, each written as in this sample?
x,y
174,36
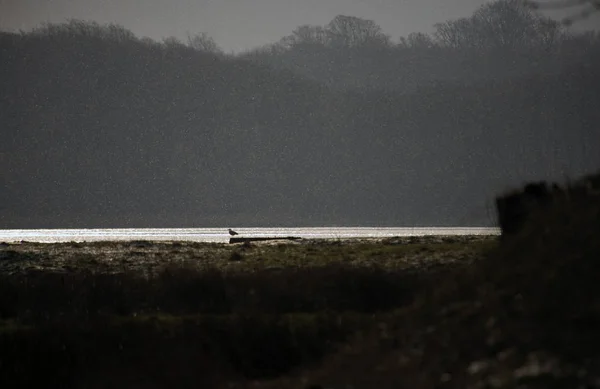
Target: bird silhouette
x,y
232,232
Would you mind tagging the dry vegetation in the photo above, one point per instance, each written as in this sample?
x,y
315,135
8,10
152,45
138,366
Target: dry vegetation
x,y
145,257
436,312
142,314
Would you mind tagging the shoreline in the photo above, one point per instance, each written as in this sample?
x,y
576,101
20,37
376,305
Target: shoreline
x,y
225,240
220,235
148,257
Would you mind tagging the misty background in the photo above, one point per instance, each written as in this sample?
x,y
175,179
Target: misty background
x,y
335,122
239,25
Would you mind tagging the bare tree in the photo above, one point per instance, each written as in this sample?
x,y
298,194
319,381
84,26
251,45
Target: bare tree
x,y
306,35
510,23
503,23
342,31
457,33
172,42
350,31
83,28
417,40
203,42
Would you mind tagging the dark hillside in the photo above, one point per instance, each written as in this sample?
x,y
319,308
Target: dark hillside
x,y
102,129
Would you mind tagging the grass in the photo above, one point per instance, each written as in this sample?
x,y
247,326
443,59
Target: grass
x,y
183,290
526,316
90,314
148,257
435,312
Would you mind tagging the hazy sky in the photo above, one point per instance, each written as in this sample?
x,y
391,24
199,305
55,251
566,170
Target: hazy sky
x,y
235,24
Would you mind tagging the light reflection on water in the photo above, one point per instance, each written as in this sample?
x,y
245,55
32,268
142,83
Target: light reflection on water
x,y
221,234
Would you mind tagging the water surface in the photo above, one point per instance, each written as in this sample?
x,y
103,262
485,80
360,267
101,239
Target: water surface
x,y
221,234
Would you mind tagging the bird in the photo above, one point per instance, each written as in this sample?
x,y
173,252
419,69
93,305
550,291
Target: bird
x,y
232,232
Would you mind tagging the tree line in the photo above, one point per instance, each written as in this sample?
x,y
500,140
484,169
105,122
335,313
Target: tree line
x,y
332,125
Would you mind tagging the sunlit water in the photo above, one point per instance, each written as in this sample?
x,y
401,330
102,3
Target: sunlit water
x,y
221,234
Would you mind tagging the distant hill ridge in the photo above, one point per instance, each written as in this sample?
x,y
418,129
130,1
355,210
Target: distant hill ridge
x,y
114,131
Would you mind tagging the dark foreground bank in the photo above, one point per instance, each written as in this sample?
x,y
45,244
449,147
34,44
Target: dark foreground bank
x,y
429,312
142,314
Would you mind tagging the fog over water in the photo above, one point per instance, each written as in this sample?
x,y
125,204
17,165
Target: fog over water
x,y
221,234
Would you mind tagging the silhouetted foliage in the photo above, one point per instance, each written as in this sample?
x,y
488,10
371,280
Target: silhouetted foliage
x,y
516,208
75,329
